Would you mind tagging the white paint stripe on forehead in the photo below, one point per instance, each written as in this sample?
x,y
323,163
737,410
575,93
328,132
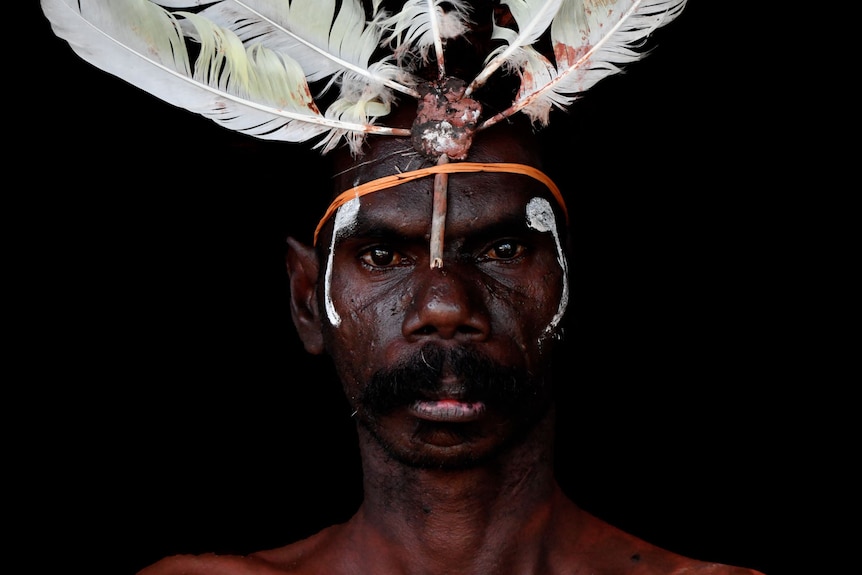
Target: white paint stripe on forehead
x,y
345,218
540,217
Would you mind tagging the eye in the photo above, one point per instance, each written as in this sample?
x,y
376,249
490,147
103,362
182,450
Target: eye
x,y
506,250
382,257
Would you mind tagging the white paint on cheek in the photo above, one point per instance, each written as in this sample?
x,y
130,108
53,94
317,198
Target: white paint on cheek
x,y
540,217
345,217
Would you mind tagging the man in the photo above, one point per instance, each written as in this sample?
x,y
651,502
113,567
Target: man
x,y
441,313
448,371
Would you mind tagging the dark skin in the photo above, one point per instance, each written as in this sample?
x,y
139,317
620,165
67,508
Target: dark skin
x,y
458,477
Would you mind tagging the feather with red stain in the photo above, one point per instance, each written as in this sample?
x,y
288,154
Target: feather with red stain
x,y
591,40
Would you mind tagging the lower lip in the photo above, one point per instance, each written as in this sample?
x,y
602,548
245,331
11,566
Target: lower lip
x,y
448,410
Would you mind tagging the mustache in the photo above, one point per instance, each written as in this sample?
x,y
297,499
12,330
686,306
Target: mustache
x,y
419,376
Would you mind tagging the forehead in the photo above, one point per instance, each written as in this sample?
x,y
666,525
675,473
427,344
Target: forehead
x,y
472,201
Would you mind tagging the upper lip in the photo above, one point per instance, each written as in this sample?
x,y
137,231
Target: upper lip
x,y
450,388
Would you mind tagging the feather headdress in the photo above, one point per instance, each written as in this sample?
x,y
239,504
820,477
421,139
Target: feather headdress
x,y
330,71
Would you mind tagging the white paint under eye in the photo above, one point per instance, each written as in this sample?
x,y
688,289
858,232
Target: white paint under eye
x,y
345,218
540,217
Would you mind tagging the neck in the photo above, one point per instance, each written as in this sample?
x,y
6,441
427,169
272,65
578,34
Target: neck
x,y
465,517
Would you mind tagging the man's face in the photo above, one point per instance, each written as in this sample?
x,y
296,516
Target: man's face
x,y
447,366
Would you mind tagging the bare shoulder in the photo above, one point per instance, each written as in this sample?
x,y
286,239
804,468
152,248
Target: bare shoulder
x,y
646,559
210,564
296,558
642,558
622,552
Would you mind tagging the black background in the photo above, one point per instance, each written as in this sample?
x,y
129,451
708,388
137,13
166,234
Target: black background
x,y
179,413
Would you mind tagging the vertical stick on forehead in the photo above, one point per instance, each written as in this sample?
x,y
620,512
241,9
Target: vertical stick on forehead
x,y
443,129
438,215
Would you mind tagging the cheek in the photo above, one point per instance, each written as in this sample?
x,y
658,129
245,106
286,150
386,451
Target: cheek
x,y
525,311
371,319
531,304
371,308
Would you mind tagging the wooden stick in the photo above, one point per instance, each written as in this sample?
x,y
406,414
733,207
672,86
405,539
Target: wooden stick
x,y
438,217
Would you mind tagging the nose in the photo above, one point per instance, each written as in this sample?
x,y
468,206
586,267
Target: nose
x,y
445,306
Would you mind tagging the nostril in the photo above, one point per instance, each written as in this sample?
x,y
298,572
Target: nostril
x,y
444,331
463,329
468,330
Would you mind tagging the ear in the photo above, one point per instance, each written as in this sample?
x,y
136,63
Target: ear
x,y
302,268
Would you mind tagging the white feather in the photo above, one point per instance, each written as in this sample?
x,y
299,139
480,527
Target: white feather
x,y
533,18
329,39
424,24
250,89
326,37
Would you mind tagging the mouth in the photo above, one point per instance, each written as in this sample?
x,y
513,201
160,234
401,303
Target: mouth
x,y
447,410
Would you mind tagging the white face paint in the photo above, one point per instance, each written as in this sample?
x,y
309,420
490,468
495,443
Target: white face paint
x,y
540,217
345,217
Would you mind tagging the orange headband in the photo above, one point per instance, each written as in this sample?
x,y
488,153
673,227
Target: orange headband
x,y
451,168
